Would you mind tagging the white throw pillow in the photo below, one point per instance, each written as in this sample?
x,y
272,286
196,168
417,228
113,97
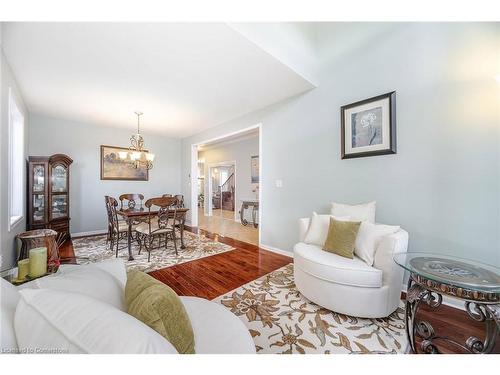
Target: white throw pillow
x,y
114,266
89,280
368,238
357,212
62,322
318,228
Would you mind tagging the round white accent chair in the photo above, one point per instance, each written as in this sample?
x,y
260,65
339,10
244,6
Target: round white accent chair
x,y
350,286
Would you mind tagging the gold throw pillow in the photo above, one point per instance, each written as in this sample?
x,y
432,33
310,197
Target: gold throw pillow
x,y
158,306
342,237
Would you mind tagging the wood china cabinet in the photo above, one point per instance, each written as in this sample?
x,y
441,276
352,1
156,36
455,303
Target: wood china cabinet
x,y
48,193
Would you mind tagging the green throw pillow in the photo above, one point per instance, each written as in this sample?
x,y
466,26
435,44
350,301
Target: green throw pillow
x,y
159,307
342,237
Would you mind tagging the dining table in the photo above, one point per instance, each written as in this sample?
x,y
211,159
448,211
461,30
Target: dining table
x,y
133,215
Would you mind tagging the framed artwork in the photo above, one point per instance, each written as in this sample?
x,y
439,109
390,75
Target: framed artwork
x,y
254,168
113,168
369,127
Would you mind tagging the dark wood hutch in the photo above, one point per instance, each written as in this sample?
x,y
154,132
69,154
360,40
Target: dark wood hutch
x,y
48,193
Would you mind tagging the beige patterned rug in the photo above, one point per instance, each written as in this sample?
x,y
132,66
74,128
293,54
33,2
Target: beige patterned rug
x,y
281,320
94,249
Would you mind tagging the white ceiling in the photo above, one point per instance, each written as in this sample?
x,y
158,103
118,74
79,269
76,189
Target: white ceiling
x,y
185,77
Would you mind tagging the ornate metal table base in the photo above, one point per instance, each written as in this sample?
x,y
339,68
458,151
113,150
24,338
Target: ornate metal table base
x,y
481,307
255,208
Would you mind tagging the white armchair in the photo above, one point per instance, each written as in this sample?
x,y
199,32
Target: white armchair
x,y
350,286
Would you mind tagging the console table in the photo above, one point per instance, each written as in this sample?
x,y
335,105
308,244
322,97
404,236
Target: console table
x,y
246,204
433,276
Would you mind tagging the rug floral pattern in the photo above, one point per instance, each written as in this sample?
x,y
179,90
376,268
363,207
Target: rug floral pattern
x,y
281,320
95,249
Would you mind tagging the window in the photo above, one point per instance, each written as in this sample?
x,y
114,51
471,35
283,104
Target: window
x,y
16,162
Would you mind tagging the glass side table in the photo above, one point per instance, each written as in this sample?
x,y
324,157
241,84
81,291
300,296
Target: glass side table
x,y
435,275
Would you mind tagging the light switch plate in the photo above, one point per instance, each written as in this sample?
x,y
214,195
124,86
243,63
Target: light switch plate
x,y
279,183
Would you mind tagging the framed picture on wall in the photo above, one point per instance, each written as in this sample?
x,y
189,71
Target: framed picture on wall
x,y
368,127
254,168
113,168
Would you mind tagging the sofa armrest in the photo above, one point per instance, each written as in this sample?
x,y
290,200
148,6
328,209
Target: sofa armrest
x,y
303,227
392,274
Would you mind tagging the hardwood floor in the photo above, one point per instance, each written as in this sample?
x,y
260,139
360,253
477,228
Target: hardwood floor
x,y
221,273
218,274
223,223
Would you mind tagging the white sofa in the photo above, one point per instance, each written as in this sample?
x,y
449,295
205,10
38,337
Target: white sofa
x,y
216,329
350,286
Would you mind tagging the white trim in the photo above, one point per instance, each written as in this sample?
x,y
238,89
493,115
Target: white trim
x,y
14,220
276,250
194,174
448,301
90,233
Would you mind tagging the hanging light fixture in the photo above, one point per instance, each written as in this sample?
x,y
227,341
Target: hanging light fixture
x,y
136,155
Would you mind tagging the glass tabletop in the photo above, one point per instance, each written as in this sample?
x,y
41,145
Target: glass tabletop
x,y
446,269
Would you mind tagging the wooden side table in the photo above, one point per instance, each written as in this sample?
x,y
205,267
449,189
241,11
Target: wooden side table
x,y
433,276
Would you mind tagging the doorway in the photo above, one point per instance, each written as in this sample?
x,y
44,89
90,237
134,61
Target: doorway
x,y
225,175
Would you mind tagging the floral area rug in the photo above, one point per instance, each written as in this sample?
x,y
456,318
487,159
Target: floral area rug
x,y
95,249
281,320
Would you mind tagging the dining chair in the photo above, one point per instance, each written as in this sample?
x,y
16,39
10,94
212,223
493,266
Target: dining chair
x,y
117,230
131,201
180,200
158,225
179,197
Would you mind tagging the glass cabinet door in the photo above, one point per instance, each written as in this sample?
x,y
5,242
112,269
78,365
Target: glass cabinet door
x,y
38,178
59,206
38,207
59,179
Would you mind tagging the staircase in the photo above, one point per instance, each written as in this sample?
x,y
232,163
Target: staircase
x,y
224,196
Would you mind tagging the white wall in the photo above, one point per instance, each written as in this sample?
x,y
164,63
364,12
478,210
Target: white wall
x,y
82,142
443,184
7,242
240,152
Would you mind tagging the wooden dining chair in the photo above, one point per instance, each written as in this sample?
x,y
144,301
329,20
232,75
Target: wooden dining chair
x,y
117,230
158,225
180,200
131,201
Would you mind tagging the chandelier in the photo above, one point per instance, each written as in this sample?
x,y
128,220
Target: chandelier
x,y
136,155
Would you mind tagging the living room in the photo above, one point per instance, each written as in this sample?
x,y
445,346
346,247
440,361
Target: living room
x,y
286,187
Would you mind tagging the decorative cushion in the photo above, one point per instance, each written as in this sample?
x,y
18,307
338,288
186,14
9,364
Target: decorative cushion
x,y
332,267
122,227
216,329
158,306
9,296
369,236
358,212
318,229
144,228
342,237
74,323
89,280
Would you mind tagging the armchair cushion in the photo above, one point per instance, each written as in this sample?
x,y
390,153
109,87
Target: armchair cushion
x,y
358,212
318,228
369,236
335,268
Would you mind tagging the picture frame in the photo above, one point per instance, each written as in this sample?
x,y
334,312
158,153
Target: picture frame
x,y
113,168
254,169
368,127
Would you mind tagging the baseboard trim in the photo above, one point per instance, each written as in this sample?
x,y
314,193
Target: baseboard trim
x,y
276,250
448,301
90,233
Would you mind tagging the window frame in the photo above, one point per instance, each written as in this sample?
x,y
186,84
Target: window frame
x,y
14,219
